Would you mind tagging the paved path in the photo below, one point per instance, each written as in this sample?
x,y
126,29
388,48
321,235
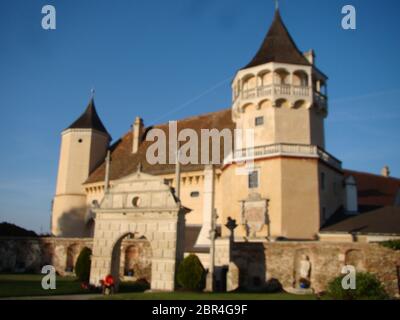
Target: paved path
x,y
61,297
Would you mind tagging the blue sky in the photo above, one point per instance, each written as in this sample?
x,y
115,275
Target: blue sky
x,y
166,60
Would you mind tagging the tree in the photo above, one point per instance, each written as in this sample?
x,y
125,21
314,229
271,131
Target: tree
x,y
191,274
82,267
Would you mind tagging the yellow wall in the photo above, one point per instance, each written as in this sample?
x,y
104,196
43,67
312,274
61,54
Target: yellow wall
x,y
300,198
282,124
81,151
290,184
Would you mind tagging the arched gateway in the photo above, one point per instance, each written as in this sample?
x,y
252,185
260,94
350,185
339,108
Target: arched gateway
x,y
139,205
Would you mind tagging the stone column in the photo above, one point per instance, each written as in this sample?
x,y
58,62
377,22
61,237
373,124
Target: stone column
x,y
163,261
203,239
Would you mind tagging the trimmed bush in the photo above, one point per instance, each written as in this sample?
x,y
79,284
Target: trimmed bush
x,y
273,286
368,287
391,244
191,274
82,267
140,285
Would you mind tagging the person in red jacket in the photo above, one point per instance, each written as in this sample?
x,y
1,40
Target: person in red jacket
x,y
108,284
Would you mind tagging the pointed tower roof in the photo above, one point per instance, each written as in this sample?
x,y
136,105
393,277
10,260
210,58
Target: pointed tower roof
x,y
278,46
89,120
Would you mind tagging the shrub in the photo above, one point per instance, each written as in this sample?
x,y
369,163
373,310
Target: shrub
x,y
273,286
391,244
139,285
82,267
368,287
191,274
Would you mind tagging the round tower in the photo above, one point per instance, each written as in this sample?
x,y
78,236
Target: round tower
x,y
84,146
280,93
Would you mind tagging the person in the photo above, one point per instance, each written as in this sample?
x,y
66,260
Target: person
x,y
108,285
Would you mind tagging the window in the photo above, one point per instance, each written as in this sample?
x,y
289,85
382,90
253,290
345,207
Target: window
x,y
195,194
136,202
259,121
253,180
322,181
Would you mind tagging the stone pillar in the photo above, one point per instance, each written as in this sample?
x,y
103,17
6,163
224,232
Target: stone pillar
x,y
163,263
222,252
203,239
163,274
211,272
232,277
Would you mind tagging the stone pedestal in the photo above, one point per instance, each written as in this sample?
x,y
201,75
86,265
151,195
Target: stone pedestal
x,y
232,277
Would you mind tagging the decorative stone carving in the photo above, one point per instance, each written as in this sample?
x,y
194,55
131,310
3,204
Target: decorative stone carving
x,y
305,267
254,214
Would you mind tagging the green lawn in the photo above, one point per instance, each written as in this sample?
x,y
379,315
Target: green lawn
x,y
29,285
207,296
23,285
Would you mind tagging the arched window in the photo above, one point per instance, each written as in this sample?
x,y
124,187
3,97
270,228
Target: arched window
x,y
281,76
300,78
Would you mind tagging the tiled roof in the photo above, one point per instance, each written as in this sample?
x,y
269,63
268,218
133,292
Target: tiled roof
x,y
385,220
374,191
376,203
124,162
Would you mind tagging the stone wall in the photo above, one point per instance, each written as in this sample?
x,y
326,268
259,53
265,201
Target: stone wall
x,y
31,254
259,262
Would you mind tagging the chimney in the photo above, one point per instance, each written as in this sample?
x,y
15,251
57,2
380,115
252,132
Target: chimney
x,y
310,56
137,130
385,172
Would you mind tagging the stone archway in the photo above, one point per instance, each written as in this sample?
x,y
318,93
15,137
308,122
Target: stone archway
x,y
48,252
131,254
136,260
72,255
140,205
128,257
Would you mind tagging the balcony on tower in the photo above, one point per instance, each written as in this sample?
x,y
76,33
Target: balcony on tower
x,y
280,83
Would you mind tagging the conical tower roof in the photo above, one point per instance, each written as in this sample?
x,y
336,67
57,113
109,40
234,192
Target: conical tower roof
x,y
89,120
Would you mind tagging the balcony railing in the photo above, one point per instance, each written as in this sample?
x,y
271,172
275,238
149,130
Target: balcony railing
x,y
276,89
320,98
282,90
286,149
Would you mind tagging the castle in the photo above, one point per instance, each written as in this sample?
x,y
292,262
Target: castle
x,y
295,203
